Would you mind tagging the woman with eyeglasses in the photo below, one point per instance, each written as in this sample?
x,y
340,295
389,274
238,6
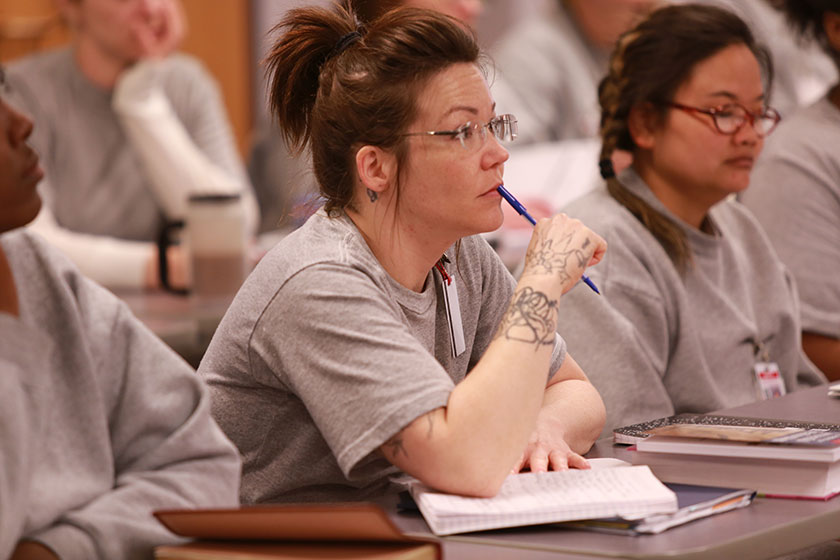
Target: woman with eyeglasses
x,y
384,335
698,313
796,196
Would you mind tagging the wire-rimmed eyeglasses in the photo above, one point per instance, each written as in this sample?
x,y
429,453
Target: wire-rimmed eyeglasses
x,y
473,135
729,118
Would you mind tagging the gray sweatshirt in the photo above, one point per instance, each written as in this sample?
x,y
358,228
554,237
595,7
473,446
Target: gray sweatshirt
x,y
657,343
100,422
796,196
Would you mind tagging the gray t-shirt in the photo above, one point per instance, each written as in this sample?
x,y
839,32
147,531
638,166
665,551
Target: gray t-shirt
x,y
119,425
323,356
795,194
657,343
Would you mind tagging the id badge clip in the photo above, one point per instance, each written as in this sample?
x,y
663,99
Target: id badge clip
x,y
453,309
767,375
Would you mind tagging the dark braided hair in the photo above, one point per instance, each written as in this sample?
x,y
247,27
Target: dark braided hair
x,y
648,65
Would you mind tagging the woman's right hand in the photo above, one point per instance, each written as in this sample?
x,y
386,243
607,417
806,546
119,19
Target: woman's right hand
x,y
563,247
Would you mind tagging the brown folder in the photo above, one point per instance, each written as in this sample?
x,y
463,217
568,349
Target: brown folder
x,y
291,532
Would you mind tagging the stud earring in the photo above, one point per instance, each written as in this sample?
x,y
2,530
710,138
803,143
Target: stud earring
x,y
372,195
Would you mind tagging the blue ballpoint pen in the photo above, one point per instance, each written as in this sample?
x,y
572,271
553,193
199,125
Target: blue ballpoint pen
x,y
524,213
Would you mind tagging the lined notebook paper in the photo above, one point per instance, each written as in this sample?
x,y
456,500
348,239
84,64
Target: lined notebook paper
x,y
630,492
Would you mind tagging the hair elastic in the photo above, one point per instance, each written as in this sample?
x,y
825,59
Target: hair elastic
x,y
607,169
345,41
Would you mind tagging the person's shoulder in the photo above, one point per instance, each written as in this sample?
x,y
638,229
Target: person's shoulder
x,y
37,81
600,212
811,129
329,238
39,63
323,245
25,245
52,276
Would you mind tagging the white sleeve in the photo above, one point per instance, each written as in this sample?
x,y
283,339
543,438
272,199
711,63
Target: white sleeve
x,y
176,166
112,262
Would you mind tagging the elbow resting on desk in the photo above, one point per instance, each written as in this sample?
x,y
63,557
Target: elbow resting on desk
x,y
429,450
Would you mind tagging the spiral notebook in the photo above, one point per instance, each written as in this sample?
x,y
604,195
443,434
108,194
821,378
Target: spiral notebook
x,y
630,492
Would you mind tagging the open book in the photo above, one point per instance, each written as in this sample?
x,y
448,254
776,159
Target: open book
x,y
535,498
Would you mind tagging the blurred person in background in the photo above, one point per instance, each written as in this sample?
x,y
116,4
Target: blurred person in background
x,y
795,193
129,130
548,66
802,72
466,11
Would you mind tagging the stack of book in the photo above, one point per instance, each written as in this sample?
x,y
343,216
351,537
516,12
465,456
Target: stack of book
x,y
788,459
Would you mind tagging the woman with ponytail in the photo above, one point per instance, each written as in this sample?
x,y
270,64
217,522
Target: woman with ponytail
x,y
698,313
384,335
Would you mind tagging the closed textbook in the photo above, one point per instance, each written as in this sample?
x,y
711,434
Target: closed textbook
x,y
351,531
536,498
782,462
629,435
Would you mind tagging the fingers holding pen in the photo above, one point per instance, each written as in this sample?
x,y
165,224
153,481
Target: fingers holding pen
x,y
563,247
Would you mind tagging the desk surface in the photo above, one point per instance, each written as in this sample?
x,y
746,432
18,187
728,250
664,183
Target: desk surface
x,y
183,322
768,528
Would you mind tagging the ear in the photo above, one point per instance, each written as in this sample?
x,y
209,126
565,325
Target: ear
x,y
831,25
376,168
642,123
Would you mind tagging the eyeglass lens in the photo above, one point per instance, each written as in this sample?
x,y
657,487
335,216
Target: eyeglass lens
x,y
473,135
731,119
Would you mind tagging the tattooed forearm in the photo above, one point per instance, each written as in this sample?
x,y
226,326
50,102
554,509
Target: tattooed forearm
x,y
531,317
394,447
546,258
